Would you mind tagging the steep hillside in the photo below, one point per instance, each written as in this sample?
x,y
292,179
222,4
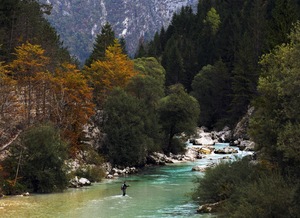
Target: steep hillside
x,y
78,22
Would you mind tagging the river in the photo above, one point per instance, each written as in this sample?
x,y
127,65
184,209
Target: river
x,y
155,192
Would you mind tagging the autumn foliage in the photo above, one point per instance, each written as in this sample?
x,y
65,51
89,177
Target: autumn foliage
x,y
30,73
9,106
31,93
71,101
114,71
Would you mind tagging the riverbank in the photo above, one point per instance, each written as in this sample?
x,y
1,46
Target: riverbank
x,y
184,168
201,144
157,191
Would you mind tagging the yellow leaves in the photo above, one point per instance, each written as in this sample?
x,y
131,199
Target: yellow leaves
x,y
72,87
62,97
72,101
9,106
115,71
30,71
30,59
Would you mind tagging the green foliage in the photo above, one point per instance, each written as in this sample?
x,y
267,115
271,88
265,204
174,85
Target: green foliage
x,y
276,114
102,42
220,183
125,128
244,79
131,119
25,22
212,89
92,157
38,160
288,143
141,51
11,188
148,87
123,45
7,9
269,196
151,67
213,20
178,113
283,15
295,209
173,63
246,190
177,50
149,83
236,33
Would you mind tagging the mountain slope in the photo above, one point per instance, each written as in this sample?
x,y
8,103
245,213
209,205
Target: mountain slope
x,y
78,22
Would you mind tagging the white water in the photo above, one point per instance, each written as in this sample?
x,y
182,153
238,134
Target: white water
x,y
156,192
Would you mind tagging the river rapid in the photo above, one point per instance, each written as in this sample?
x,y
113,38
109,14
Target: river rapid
x,y
156,192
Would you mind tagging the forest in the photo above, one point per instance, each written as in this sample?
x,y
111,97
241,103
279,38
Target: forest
x,y
205,69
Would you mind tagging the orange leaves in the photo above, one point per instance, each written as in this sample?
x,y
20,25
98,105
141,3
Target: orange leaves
x,y
28,69
115,71
9,106
62,97
71,100
29,60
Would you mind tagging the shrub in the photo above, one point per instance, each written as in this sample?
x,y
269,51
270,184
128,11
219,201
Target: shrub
x,y
220,182
9,188
40,157
269,196
247,190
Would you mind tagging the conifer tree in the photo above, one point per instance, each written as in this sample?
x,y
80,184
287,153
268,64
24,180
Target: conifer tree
x,y
283,15
24,21
123,45
173,63
102,42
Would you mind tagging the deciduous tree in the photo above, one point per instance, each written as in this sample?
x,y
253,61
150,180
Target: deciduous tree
x,y
71,101
30,64
211,87
277,118
148,87
38,161
9,106
114,71
125,128
179,112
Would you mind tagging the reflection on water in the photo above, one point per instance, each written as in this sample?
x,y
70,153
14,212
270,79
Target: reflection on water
x,y
156,192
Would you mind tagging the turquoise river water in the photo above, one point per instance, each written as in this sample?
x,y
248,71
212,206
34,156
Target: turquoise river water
x,y
156,192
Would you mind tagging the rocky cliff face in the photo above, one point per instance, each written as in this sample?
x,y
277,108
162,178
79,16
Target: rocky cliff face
x,y
79,21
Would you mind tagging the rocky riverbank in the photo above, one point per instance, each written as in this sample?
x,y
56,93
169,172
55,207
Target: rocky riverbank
x,y
198,146
202,144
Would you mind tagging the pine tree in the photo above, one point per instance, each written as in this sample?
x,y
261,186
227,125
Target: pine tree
x,y
102,42
283,15
123,45
173,63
